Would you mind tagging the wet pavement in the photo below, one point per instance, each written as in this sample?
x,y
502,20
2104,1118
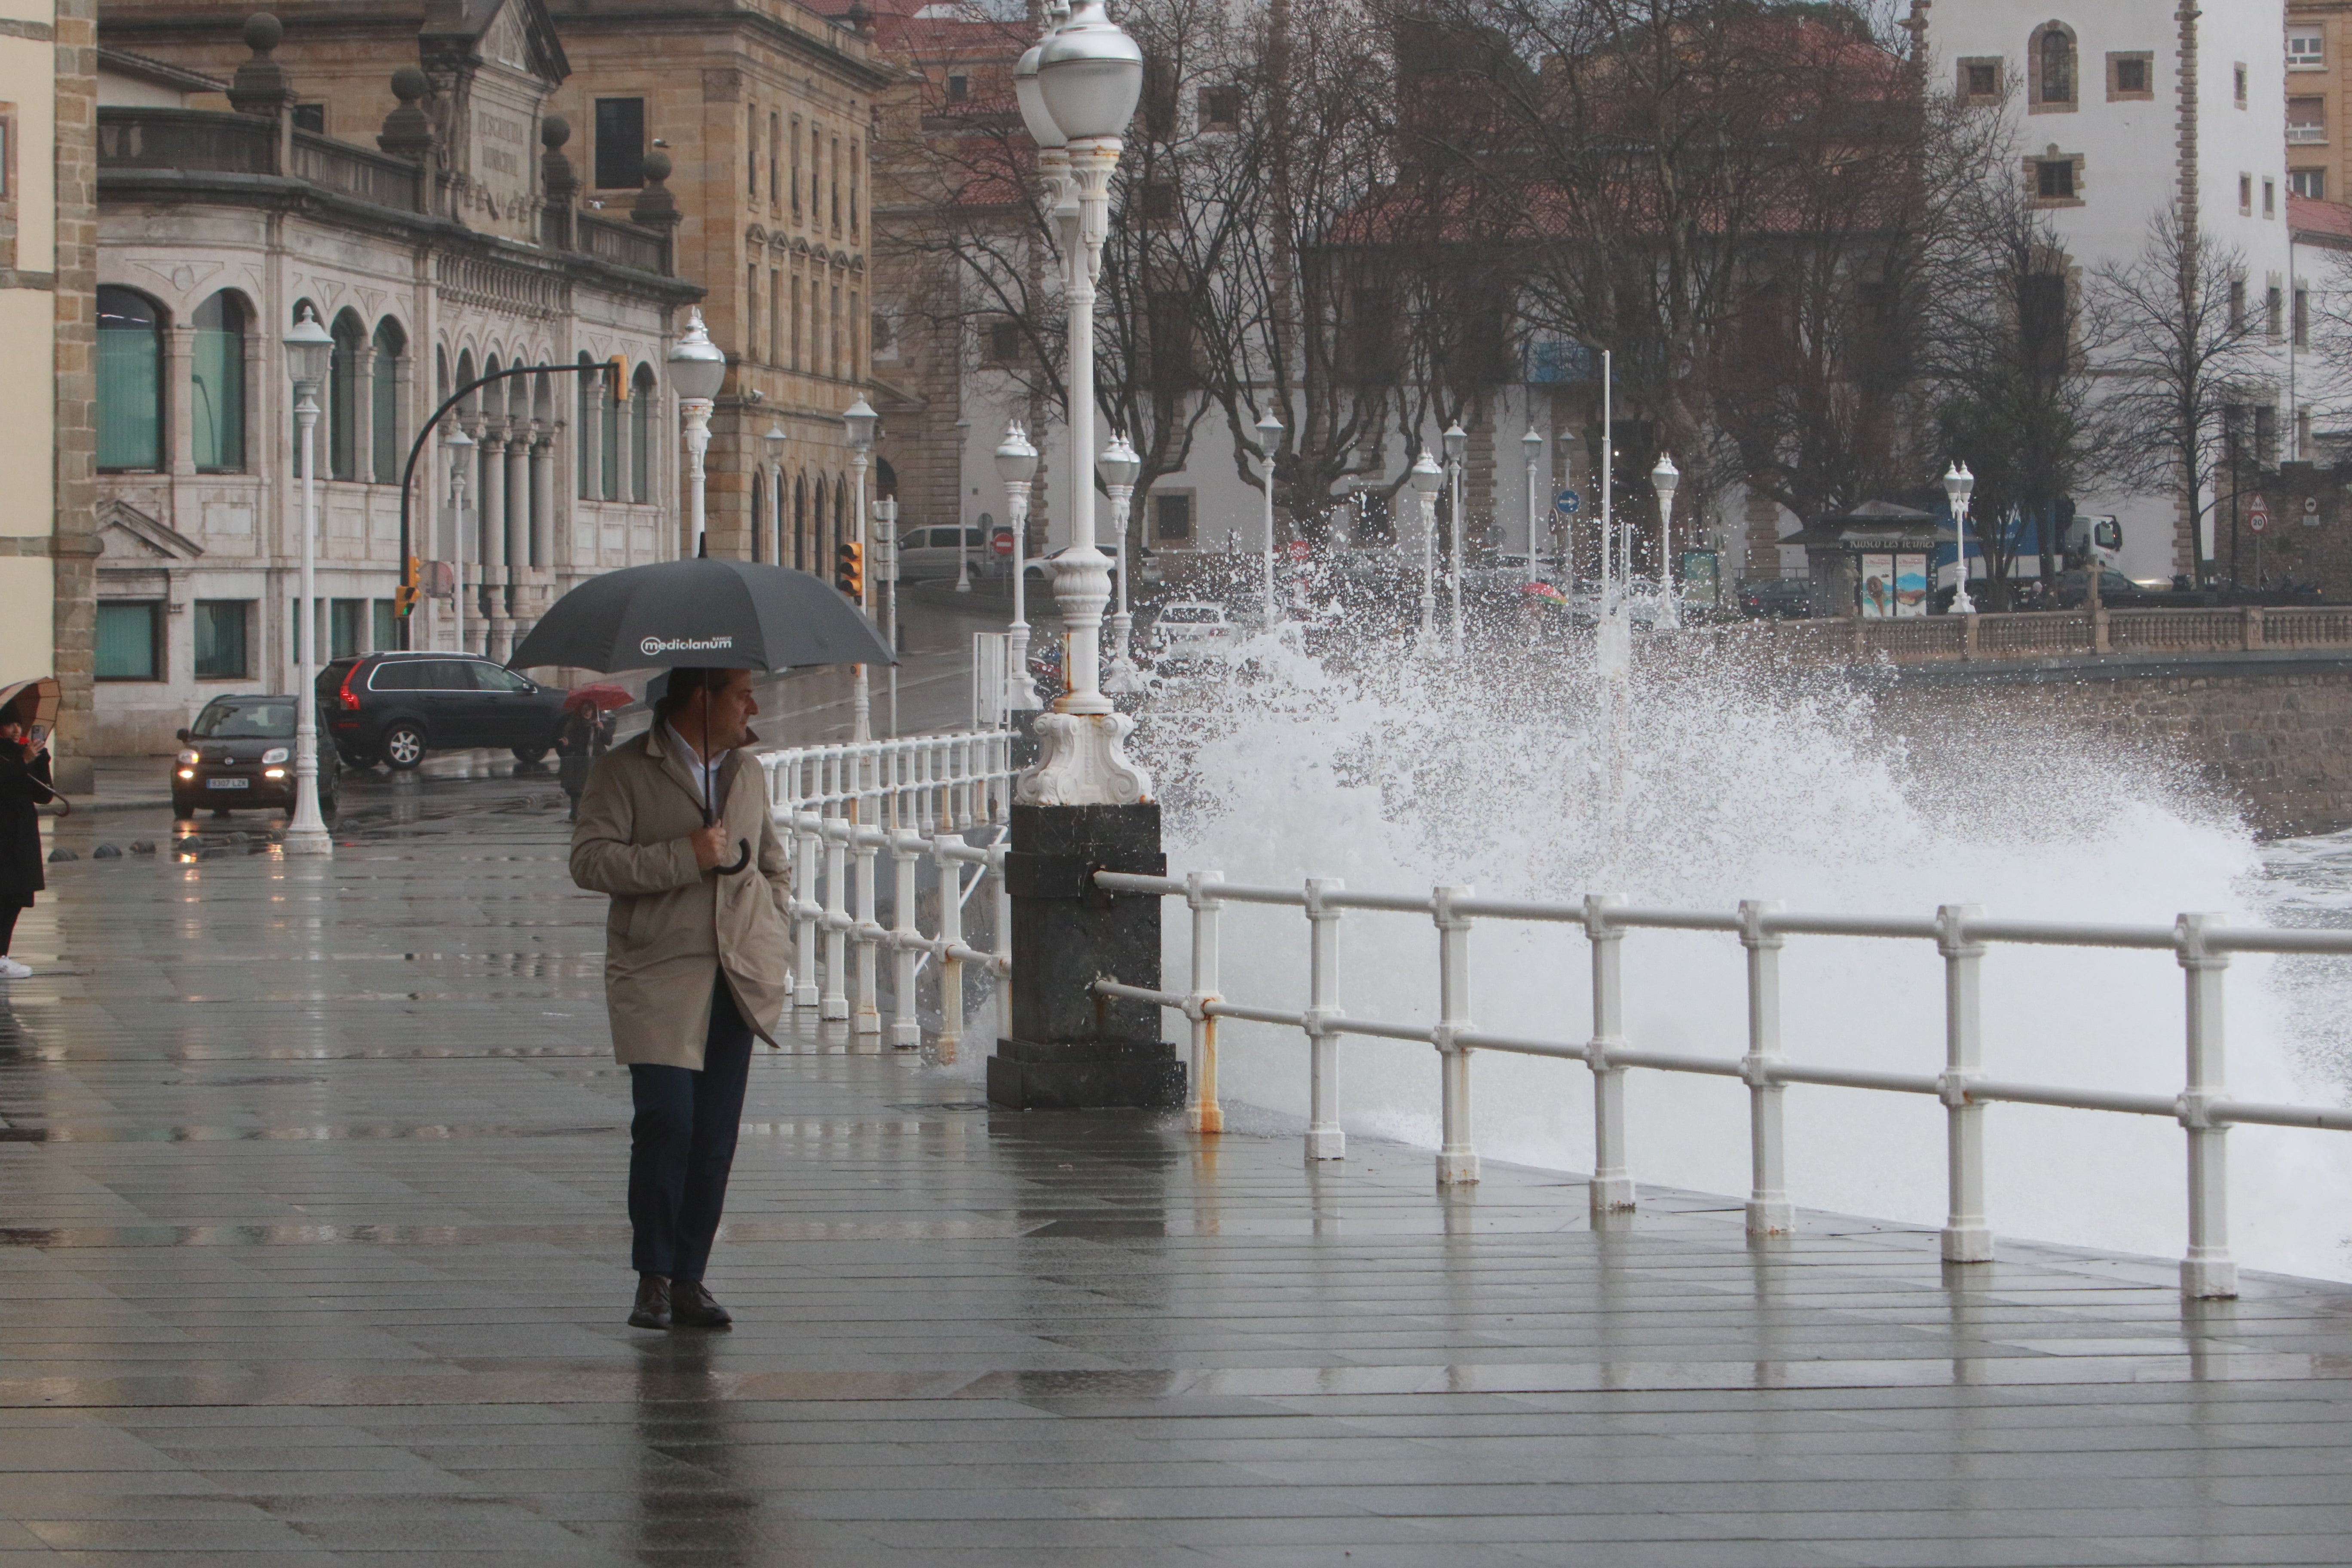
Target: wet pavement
x,y
310,1193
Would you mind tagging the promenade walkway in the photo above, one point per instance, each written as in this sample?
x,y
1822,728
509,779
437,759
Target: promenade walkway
x,y
311,1191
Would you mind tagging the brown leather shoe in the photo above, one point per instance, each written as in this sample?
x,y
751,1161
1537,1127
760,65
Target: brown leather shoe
x,y
653,1308
692,1308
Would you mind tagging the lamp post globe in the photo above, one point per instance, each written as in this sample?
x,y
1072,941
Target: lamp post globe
x,y
1959,484
309,356
1664,479
1090,74
1017,465
1426,478
1031,96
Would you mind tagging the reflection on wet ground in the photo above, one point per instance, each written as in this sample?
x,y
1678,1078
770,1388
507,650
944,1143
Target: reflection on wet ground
x,y
312,1245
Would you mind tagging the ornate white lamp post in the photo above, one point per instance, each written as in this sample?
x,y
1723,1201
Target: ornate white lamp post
x,y
1664,479
1532,446
1090,76
1457,447
696,369
775,441
460,447
310,355
1426,477
885,512
857,425
1269,441
1959,485
1119,466
964,534
1017,465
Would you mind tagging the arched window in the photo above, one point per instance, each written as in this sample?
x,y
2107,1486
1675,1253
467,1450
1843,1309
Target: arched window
x,y
390,452
818,541
758,509
130,381
217,394
343,398
800,524
642,401
608,440
2053,60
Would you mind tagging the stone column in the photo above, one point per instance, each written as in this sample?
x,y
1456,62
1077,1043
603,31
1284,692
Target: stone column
x,y
180,429
364,423
490,510
517,595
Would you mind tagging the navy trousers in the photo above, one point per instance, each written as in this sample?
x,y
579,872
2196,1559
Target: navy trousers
x,y
682,1144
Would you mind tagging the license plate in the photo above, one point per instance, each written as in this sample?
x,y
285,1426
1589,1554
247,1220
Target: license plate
x,y
228,784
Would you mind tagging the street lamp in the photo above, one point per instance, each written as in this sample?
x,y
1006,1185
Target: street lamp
x,y
1532,445
698,368
1664,479
1269,437
460,447
964,534
310,355
1089,78
885,512
857,423
1457,445
1426,477
1959,485
1017,465
776,440
1119,468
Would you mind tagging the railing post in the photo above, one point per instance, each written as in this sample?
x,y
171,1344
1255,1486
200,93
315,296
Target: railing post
x,y
1458,1162
1325,1140
1768,1210
1612,1182
950,938
1968,1239
807,837
2207,1272
906,1023
1201,1107
835,1005
866,1018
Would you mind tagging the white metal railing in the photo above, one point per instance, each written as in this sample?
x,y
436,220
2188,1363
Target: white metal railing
x,y
841,807
2200,943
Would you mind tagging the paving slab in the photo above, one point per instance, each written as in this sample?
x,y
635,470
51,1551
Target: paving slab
x,y
311,1250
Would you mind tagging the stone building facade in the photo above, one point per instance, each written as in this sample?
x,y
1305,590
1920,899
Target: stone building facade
x,y
437,255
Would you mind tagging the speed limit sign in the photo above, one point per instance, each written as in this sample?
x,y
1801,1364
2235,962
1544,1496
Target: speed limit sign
x,y
2258,514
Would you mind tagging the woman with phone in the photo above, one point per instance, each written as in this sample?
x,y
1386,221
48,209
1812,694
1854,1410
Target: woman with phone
x,y
25,785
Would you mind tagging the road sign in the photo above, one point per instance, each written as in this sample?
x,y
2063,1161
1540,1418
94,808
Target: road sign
x,y
1001,544
2311,510
1566,503
2258,514
1298,551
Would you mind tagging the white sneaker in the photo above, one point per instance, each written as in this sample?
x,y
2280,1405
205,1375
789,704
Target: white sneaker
x,y
11,970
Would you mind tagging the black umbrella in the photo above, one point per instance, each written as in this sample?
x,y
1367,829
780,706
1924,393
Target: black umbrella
x,y
706,613
720,614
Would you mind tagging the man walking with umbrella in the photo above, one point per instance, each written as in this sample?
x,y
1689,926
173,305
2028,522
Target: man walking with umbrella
x,y
697,962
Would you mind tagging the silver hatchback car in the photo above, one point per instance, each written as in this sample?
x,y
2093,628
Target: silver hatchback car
x,y
925,553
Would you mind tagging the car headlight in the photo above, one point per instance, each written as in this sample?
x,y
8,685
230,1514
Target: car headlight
x,y
275,754
188,759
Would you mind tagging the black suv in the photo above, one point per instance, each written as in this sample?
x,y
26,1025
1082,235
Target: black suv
x,y
238,754
396,706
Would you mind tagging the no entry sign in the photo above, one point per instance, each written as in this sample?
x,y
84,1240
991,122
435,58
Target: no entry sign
x,y
1001,544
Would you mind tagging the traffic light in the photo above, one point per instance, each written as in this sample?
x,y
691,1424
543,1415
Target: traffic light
x,y
849,569
404,598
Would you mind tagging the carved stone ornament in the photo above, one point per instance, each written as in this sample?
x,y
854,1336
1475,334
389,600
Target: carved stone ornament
x,y
1085,763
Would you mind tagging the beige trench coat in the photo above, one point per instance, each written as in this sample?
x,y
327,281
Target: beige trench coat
x,y
671,922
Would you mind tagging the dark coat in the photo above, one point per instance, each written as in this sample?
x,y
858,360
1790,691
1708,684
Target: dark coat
x,y
23,786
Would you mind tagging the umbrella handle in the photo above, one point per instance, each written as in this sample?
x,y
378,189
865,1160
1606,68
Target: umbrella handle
x,y
742,860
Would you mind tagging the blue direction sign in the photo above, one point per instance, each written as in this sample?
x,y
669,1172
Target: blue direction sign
x,y
1566,503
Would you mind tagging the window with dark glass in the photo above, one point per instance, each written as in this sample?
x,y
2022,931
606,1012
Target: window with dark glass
x,y
311,117
383,628
343,399
221,631
130,639
2057,67
958,89
1003,342
1172,516
2054,179
608,441
1983,79
216,408
1221,108
130,381
384,402
620,143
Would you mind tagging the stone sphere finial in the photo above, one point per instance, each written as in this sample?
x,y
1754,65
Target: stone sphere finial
x,y
263,32
657,166
554,131
410,83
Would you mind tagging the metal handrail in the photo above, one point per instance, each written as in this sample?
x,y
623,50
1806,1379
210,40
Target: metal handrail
x,y
2201,944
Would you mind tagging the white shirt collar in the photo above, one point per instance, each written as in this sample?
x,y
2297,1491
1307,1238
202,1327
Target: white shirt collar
x,y
702,772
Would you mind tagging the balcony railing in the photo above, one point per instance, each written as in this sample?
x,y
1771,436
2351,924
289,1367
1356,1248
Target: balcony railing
x,y
2306,135
186,139
624,244
356,172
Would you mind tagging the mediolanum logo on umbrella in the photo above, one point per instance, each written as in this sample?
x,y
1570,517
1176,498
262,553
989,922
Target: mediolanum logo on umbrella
x,y
652,645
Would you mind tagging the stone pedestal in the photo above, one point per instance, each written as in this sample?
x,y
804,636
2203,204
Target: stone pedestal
x,y
1069,1048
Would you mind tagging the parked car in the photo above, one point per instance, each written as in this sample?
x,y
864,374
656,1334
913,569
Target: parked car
x,y
2118,592
239,756
394,708
925,554
1776,598
1193,628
